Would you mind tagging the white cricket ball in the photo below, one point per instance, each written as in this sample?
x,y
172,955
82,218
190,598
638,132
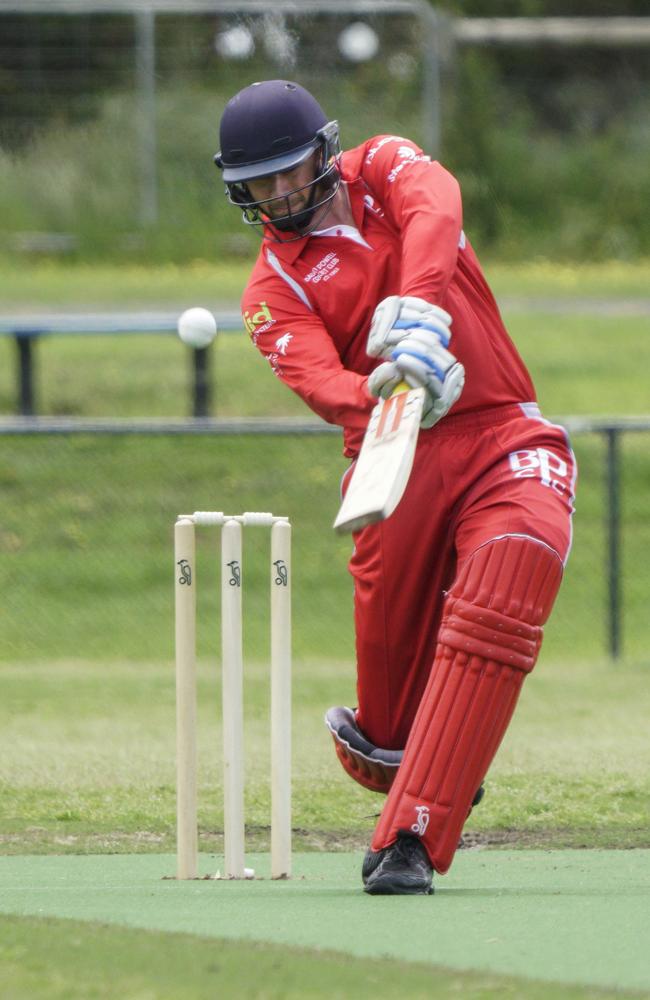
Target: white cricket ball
x,y
197,327
358,42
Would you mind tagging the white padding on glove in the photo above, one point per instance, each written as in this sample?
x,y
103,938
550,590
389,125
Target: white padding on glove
x,y
441,395
385,379
423,361
397,316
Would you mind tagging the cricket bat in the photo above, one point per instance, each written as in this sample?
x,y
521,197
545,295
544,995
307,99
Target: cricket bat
x,y
385,460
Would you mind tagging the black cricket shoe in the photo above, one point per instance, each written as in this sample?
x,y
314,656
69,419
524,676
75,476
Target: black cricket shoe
x,y
477,798
402,869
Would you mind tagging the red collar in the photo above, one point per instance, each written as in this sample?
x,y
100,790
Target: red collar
x,y
290,251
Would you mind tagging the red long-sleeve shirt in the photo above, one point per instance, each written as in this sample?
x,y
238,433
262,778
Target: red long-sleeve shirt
x,y
309,303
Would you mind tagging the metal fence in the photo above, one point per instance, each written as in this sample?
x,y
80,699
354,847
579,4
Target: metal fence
x,y
109,110
86,537
154,76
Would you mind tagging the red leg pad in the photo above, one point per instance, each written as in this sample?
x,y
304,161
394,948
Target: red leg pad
x,y
488,641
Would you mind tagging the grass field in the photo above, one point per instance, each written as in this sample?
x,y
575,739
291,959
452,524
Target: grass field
x,y
102,778
94,960
51,284
86,539
87,706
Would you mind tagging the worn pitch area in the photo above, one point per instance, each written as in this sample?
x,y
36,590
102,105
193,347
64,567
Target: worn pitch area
x,y
563,916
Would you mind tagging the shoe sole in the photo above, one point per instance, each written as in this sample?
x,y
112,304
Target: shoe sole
x,y
389,887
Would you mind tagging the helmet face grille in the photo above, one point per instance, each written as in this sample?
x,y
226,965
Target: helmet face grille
x,y
272,127
287,225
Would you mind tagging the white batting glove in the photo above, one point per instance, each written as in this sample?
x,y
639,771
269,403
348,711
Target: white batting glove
x,y
414,336
397,316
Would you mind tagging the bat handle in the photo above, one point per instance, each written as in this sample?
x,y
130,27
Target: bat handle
x,y
401,387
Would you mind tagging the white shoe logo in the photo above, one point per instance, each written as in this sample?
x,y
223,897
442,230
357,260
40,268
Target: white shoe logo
x,y
422,823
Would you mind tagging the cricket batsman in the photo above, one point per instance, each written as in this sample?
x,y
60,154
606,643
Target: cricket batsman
x,y
366,278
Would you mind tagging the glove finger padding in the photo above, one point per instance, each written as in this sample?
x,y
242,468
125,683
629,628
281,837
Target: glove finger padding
x,y
421,339
412,307
436,407
418,314
417,370
395,317
422,356
384,379
382,323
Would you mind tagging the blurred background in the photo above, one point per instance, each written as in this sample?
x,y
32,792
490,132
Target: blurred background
x,y
112,220
109,116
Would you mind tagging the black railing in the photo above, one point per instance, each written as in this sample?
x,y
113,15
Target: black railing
x,y
28,330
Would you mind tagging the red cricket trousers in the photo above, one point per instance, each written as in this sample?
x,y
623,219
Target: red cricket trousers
x,y
475,477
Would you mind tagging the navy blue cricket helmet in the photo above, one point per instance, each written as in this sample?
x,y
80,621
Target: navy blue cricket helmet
x,y
271,127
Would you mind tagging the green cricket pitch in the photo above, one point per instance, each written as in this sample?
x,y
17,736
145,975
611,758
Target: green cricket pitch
x,y
571,917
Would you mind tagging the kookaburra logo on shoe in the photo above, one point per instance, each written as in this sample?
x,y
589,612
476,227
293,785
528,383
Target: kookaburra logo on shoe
x,y
422,821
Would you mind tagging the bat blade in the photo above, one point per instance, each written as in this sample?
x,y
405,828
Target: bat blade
x,y
384,463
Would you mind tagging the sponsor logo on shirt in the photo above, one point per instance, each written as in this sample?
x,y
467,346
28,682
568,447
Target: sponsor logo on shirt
x,y
259,321
325,269
274,360
372,152
283,342
542,464
407,152
412,157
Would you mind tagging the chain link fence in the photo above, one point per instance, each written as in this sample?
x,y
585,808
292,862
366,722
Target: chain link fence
x,y
108,118
86,542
